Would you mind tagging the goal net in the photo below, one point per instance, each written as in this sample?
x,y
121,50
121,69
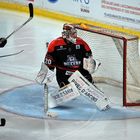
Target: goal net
x,y
120,62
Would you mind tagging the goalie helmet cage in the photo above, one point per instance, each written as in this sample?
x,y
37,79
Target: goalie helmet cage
x,y
119,56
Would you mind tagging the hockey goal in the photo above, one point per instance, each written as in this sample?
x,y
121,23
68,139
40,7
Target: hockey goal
x,y
120,62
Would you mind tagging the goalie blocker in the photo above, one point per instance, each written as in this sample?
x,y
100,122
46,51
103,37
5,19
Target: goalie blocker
x,y
91,92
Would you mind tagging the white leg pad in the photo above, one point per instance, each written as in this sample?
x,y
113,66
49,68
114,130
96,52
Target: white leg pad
x,y
51,101
89,91
65,94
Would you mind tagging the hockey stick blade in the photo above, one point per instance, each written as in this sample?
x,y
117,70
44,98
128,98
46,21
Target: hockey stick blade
x,y
31,10
3,122
3,41
12,54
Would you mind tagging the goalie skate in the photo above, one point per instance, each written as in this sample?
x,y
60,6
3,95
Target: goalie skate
x,y
89,91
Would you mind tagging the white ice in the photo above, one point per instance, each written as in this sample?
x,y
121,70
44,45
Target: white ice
x,y
21,70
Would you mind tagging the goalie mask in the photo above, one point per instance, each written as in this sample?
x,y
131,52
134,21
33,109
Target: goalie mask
x,y
69,33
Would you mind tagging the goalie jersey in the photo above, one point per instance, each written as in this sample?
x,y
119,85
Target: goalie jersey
x,y
67,57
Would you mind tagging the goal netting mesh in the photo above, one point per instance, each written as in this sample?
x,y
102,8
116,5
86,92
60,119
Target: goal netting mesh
x,y
119,57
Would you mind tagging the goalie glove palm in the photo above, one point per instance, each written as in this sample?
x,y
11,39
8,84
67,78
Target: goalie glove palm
x,y
91,65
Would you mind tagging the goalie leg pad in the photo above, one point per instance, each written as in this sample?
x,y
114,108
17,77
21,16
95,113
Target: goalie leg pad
x,y
65,94
89,91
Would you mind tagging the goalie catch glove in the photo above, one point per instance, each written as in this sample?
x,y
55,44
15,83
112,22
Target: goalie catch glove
x,y
91,65
42,74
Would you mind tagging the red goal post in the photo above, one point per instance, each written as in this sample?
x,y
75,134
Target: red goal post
x,y
120,63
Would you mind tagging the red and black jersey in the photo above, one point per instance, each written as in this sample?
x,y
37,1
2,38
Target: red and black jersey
x,y
67,56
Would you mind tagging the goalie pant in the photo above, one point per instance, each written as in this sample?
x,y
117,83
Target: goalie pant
x,y
91,92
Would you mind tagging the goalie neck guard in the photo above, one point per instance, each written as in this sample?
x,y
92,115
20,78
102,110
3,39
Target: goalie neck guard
x,y
69,32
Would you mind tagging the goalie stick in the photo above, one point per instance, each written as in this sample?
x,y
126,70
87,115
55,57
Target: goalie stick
x,y
46,103
3,41
45,98
1,56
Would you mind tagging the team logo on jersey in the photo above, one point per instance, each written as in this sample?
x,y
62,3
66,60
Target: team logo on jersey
x,y
72,61
77,47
